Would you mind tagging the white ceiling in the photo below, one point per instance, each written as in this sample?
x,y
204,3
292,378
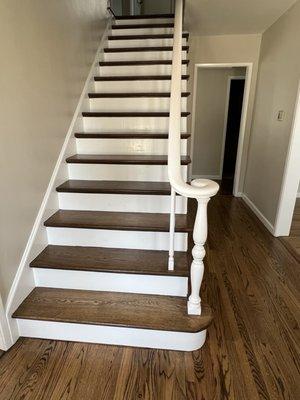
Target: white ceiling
x,y
221,17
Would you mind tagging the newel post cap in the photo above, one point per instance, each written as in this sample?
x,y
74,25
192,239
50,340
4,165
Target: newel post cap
x,y
208,187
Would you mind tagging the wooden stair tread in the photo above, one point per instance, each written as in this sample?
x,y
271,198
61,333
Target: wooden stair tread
x,y
146,16
129,135
112,220
123,159
137,78
97,95
167,313
139,62
115,187
144,26
146,36
100,259
146,48
108,114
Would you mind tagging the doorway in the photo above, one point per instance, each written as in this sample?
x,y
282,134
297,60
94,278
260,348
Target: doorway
x,y
233,114
219,115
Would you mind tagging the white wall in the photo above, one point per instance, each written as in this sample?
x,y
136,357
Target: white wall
x,y
47,48
210,109
279,74
226,49
157,6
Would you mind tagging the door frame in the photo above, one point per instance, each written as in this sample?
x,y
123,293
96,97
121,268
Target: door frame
x,y
291,177
240,160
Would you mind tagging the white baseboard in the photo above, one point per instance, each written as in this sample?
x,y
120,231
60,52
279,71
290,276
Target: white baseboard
x,y
24,281
148,338
258,213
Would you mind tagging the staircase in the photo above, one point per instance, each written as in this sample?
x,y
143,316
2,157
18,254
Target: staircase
x,y
104,276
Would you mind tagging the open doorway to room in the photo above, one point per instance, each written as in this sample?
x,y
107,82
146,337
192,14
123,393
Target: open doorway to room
x,y
221,95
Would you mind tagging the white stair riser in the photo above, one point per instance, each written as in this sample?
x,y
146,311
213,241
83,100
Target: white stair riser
x,y
134,104
140,240
126,146
146,338
114,172
141,55
112,282
119,124
120,202
141,31
143,43
136,86
143,21
133,70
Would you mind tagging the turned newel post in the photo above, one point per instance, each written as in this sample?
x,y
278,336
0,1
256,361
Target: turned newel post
x,y
198,252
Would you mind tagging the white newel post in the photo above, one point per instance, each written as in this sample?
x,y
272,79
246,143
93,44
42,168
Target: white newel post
x,y
198,252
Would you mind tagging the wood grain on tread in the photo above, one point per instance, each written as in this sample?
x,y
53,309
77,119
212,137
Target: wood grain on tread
x,y
123,159
114,114
112,309
111,220
144,26
146,16
137,78
115,187
149,36
139,62
133,95
132,135
137,49
98,259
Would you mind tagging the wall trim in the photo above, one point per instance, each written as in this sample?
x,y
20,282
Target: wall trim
x,y
258,213
24,281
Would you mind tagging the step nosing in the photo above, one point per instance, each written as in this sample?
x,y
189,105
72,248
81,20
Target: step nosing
x,y
98,114
111,135
138,62
140,49
137,78
99,95
122,159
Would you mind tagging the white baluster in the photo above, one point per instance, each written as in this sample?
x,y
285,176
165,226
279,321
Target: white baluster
x,y
172,230
198,252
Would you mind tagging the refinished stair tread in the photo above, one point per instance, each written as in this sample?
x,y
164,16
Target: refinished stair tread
x,y
144,26
129,135
146,16
146,36
139,62
123,159
127,310
115,187
112,220
137,78
97,95
100,259
109,114
147,48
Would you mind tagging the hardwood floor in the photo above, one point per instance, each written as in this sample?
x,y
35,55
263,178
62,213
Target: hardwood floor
x,y
292,242
252,351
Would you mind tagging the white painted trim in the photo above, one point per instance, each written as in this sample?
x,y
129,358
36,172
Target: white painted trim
x,y
112,282
291,178
148,338
240,161
5,337
257,212
298,195
24,280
